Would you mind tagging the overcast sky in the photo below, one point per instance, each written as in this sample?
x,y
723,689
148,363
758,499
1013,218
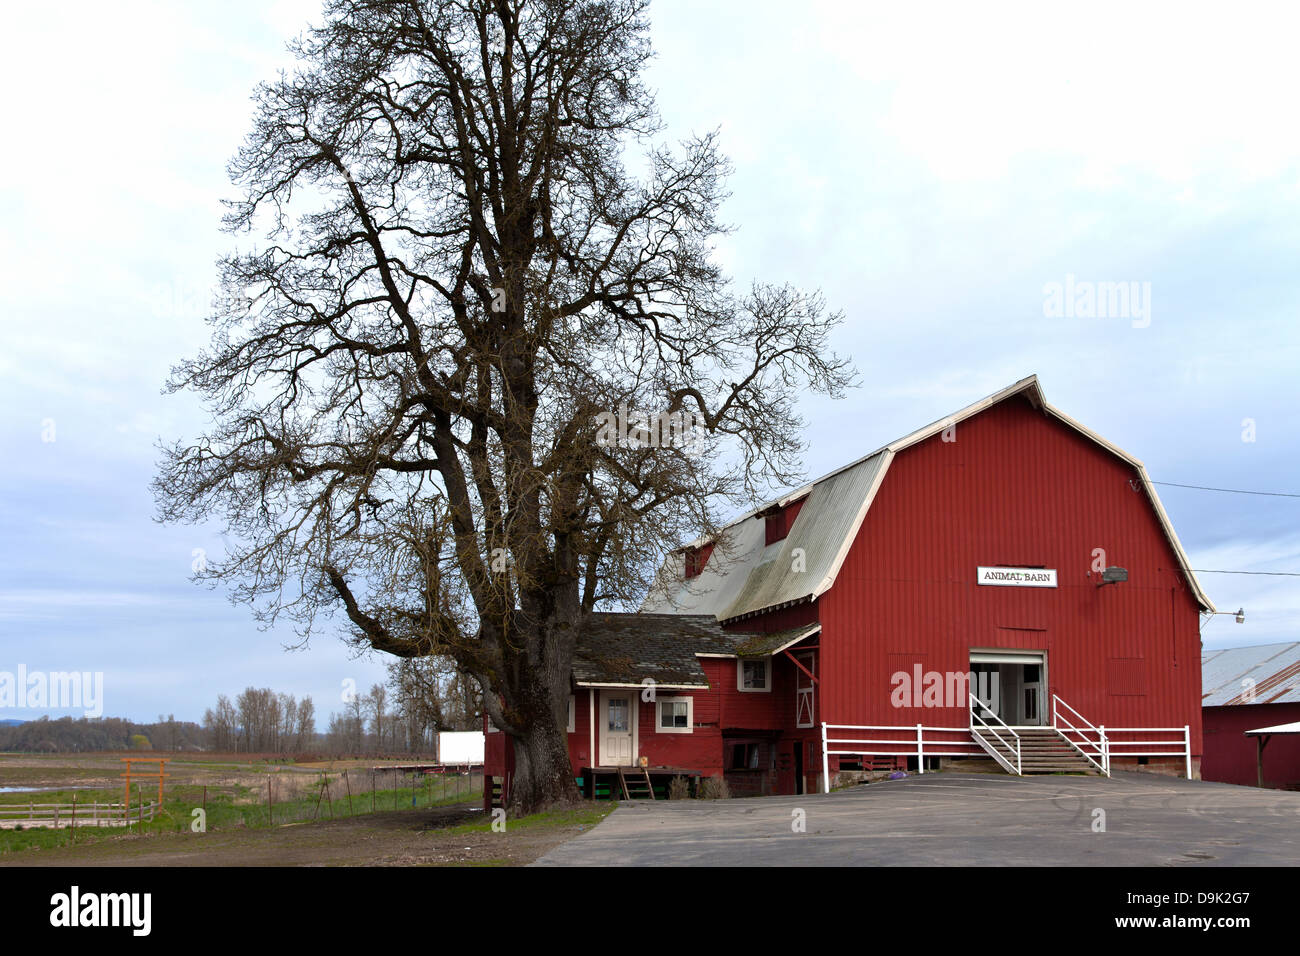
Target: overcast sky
x,y
934,170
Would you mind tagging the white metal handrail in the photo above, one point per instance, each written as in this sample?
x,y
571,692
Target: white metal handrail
x,y
975,705
917,744
1100,746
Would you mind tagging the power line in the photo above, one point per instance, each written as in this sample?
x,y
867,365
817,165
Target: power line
x,y
1231,491
1282,574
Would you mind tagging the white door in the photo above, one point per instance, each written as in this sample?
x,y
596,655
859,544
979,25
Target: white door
x,y
1031,703
617,709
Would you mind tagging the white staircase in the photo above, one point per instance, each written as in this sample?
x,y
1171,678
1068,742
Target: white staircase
x,y
1065,747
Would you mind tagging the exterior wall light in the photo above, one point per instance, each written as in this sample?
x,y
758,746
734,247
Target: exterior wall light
x,y
1239,615
1113,575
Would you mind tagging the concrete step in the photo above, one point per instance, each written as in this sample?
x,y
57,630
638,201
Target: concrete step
x,y
1042,750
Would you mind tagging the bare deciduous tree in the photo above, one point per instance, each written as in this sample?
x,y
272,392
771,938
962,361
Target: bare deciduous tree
x,y
461,281
378,701
306,729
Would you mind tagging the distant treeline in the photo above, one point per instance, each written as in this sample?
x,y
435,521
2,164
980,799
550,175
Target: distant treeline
x,y
77,734
403,716
421,698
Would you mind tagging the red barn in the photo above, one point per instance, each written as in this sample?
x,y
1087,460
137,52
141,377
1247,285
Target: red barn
x,y
1247,689
1002,584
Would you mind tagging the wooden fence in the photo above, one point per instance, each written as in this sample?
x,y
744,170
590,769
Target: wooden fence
x,y
57,815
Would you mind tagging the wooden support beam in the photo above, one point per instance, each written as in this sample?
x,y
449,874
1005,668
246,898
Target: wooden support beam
x,y
794,660
1261,740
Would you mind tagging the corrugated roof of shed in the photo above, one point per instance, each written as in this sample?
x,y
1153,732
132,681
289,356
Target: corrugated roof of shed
x,y
1274,668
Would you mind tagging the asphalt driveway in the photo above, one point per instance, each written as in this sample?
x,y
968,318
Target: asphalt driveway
x,y
948,819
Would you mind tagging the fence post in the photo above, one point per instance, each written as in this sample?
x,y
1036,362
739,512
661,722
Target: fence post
x,y
1187,747
920,751
319,793
270,807
347,783
826,763
74,816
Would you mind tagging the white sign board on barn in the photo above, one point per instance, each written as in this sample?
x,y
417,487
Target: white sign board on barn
x,y
460,747
1017,577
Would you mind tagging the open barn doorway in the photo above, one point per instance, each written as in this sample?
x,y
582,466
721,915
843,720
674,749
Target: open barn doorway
x,y
1012,685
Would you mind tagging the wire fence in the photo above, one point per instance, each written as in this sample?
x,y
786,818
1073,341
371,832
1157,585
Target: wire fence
x,y
299,797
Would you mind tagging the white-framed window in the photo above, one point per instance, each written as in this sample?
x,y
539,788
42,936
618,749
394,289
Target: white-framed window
x,y
675,715
754,675
573,714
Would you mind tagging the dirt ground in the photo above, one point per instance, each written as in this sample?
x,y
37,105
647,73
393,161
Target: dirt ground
x,y
403,838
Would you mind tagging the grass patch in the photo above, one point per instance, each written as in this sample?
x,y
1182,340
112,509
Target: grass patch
x,y
231,807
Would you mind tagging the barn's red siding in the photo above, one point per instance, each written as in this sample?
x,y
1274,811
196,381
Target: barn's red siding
x,y
1231,757
722,715
1014,489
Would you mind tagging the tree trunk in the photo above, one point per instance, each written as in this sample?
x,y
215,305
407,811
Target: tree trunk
x,y
543,776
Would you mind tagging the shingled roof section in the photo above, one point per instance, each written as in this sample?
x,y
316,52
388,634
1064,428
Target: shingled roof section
x,y
627,649
765,645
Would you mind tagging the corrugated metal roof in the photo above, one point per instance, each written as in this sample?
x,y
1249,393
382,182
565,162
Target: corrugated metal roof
x,y
1274,669
743,576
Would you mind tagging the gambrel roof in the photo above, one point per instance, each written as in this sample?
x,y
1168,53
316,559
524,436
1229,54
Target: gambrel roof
x,y
744,575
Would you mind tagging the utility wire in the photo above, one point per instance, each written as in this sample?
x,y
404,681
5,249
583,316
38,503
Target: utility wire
x,y
1231,491
1282,574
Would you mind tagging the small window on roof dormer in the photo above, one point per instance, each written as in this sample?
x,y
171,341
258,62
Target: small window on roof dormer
x,y
696,559
780,520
